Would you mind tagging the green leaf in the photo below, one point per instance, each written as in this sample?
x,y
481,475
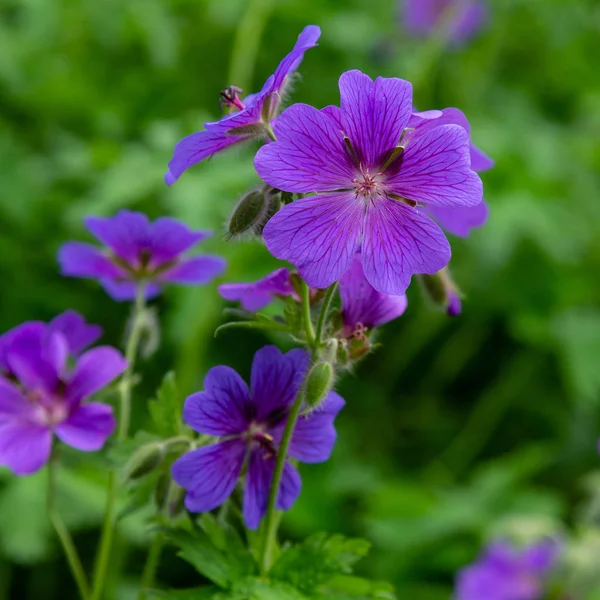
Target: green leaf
x,y
221,566
166,408
263,323
349,586
256,589
312,563
203,593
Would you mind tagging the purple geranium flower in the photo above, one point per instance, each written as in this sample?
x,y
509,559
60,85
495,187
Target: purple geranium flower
x,y
257,294
506,573
363,307
251,421
45,397
458,221
460,18
139,253
369,186
253,115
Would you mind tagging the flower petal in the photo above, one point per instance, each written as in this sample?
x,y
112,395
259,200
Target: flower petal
x,y
29,328
256,295
399,242
127,233
88,427
78,333
24,447
13,403
209,474
314,435
197,270
224,408
374,114
309,154
275,381
290,487
94,370
124,291
460,221
436,169
77,259
362,303
319,234
169,238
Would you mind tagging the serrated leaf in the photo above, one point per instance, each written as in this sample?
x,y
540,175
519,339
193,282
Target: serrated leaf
x,y
257,589
166,408
312,563
264,323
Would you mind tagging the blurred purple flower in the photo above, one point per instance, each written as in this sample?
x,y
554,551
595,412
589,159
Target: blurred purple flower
x,y
363,307
461,18
44,397
506,573
139,252
257,294
252,423
368,185
458,221
253,115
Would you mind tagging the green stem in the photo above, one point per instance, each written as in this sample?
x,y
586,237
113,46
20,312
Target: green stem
x,y
270,132
65,538
247,42
324,312
110,511
308,326
151,565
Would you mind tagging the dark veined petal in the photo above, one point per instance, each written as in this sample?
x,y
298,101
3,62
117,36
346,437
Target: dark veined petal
x,y
196,270
374,114
309,154
223,408
87,427
275,381
319,234
460,221
77,259
399,242
94,370
209,474
436,169
24,447
362,303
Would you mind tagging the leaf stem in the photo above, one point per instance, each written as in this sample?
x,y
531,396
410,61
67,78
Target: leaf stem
x,y
308,326
324,312
110,517
151,565
64,536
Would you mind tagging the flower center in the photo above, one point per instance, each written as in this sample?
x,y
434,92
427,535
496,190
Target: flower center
x,y
256,434
368,185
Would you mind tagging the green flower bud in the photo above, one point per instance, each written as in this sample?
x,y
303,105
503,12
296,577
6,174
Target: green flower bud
x,y
318,384
253,211
442,291
144,461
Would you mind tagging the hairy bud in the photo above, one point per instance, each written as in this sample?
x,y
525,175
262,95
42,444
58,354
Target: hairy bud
x,y
442,291
145,460
253,211
318,383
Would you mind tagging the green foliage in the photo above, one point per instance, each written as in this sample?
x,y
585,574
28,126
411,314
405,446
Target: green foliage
x,y
166,408
260,322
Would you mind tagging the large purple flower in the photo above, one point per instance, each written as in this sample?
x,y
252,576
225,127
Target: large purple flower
x,y
368,186
363,307
506,573
44,396
462,18
458,221
139,252
257,294
251,421
250,121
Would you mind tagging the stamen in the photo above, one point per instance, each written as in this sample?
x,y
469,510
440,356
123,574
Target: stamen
x,y
230,97
350,147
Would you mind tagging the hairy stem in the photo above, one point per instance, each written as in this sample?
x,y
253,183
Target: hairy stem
x,y
308,326
324,312
110,516
65,538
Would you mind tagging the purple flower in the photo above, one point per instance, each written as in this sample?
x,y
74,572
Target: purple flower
x,y
250,121
251,421
368,186
461,19
48,398
458,221
506,573
363,307
139,252
77,333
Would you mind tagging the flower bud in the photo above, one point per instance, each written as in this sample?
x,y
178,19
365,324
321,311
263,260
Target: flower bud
x,y
318,384
253,211
144,461
442,291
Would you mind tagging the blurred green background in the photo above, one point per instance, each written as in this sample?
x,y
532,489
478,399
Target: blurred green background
x,y
455,430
